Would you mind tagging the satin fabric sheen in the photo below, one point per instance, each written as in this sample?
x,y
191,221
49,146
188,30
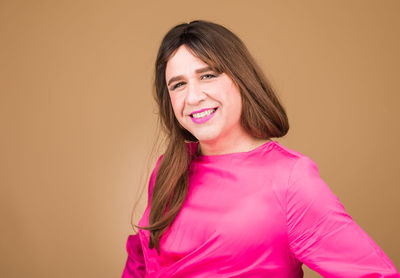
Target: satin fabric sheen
x,y
261,213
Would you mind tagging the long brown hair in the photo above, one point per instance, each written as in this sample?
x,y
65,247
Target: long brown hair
x,y
262,114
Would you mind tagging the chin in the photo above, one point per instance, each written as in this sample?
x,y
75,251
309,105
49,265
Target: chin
x,y
206,135
206,138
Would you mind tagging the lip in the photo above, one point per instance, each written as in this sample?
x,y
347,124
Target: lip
x,y
204,119
198,111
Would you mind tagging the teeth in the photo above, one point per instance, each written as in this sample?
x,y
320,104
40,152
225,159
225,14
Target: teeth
x,y
203,114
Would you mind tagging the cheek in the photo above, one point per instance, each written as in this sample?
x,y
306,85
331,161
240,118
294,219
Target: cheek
x,y
177,106
236,110
238,102
235,106
232,98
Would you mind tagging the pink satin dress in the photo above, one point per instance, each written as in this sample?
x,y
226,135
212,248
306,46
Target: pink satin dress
x,y
261,213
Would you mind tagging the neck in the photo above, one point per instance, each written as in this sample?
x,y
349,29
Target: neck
x,y
225,147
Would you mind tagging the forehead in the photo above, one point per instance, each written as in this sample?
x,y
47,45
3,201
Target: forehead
x,y
183,61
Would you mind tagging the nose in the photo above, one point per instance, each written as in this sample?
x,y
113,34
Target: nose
x,y
194,94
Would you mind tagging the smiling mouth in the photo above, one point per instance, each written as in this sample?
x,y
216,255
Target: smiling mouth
x,y
203,113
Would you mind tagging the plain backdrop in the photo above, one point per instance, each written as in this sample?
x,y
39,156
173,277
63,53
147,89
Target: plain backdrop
x,y
78,120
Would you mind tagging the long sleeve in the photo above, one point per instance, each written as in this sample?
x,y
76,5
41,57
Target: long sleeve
x,y
135,265
323,236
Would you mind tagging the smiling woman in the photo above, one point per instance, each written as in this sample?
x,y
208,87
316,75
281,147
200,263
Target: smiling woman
x,y
206,103
224,199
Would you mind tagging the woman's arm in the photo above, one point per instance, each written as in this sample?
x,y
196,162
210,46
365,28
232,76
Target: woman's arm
x,y
135,265
323,236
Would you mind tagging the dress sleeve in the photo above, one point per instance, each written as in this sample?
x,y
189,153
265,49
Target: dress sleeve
x,y
135,266
323,236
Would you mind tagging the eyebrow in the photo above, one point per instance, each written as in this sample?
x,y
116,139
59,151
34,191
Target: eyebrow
x,y
201,70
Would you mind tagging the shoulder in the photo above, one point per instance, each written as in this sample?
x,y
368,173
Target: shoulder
x,y
156,166
299,163
191,148
297,173
287,152
153,175
287,158
303,184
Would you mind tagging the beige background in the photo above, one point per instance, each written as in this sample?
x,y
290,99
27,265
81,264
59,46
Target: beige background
x,y
77,117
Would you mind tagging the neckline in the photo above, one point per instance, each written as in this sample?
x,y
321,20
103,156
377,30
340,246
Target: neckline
x,y
230,155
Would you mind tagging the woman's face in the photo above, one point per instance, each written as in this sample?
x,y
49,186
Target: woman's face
x,y
205,103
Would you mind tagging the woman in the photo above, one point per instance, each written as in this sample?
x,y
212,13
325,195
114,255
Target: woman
x,y
224,199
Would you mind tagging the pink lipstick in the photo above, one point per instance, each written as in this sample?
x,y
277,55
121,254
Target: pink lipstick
x,y
205,118
201,110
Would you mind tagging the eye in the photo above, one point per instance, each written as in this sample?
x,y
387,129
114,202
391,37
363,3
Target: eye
x,y
208,76
177,85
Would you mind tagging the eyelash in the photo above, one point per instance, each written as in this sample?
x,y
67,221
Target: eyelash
x,y
209,76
